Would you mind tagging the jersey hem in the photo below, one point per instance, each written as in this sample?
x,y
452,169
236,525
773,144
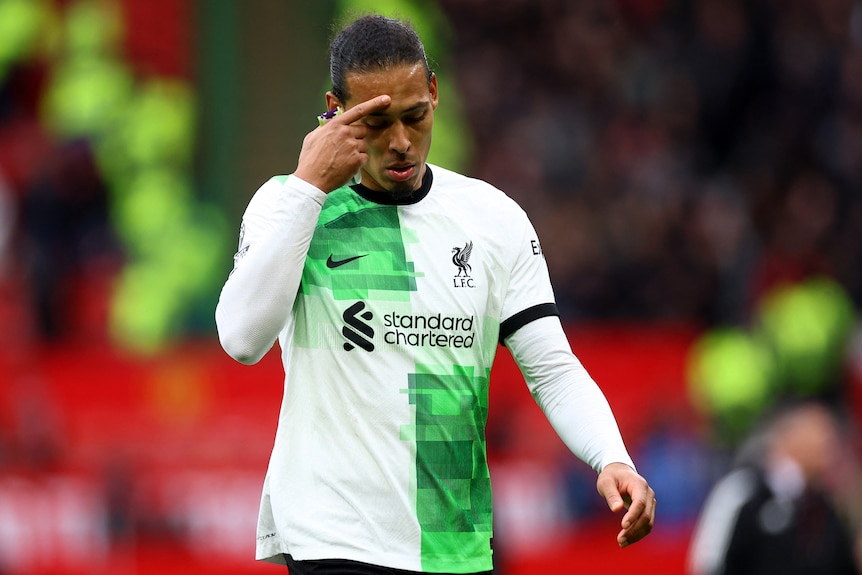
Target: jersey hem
x,y
400,562
405,563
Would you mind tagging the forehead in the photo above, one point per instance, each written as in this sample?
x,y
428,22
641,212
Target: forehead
x,y
407,85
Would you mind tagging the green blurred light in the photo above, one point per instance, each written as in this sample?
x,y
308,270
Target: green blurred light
x,y
20,25
154,128
159,125
806,326
152,201
193,248
93,27
86,96
153,293
143,307
729,371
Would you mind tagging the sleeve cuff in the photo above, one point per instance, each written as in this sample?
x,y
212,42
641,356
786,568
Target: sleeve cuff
x,y
297,184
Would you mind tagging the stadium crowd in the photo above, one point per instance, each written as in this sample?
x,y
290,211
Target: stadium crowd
x,y
678,158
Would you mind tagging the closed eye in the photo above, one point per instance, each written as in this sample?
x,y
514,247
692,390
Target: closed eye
x,y
376,124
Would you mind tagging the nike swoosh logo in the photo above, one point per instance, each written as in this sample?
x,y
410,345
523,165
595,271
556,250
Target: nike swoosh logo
x,y
332,264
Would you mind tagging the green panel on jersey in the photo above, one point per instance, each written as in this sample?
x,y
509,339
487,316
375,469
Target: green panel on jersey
x,y
453,485
358,248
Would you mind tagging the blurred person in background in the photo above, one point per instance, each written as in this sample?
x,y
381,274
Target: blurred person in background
x,y
66,231
777,511
388,334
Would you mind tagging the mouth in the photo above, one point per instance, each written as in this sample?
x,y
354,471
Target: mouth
x,y
400,173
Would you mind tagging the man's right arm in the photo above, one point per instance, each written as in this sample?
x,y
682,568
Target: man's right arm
x,y
258,296
257,299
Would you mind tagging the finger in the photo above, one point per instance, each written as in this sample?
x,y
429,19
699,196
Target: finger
x,y
361,110
641,529
641,526
635,511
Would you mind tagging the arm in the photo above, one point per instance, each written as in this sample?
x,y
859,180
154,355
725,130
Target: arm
x,y
257,299
259,293
581,416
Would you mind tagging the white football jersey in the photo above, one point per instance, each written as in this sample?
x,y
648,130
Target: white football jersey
x,y
380,450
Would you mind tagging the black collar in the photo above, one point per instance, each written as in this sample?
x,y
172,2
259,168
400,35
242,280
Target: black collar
x,y
388,199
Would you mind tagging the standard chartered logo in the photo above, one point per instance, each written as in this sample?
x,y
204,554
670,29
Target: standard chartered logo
x,y
431,330
357,331
407,330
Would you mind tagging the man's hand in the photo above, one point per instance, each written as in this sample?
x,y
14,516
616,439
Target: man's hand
x,y
623,488
334,152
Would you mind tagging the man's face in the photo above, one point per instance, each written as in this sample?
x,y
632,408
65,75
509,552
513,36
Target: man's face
x,y
399,137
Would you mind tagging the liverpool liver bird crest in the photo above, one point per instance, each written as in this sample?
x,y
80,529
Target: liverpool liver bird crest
x,y
461,257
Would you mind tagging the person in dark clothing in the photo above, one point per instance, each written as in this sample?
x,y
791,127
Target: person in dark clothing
x,y
774,514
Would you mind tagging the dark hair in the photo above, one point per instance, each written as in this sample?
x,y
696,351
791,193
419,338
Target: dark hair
x,y
371,43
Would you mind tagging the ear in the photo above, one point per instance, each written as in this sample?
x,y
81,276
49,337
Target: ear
x,y
432,87
332,102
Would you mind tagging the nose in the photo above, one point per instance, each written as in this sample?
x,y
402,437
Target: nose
x,y
398,140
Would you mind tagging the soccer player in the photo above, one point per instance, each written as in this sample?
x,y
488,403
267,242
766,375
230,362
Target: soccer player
x,y
388,298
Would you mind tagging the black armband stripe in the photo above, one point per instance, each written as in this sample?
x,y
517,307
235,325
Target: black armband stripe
x,y
522,318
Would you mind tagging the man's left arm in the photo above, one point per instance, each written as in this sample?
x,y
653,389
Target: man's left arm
x,y
580,414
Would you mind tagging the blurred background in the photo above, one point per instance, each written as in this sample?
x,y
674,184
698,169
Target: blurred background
x,y
693,168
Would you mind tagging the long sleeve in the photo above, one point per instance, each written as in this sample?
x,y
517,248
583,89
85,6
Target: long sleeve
x,y
573,403
258,296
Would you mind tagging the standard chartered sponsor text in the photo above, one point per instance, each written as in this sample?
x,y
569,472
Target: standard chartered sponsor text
x,y
432,330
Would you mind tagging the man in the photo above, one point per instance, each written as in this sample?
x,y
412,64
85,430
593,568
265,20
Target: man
x,y
388,299
774,514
